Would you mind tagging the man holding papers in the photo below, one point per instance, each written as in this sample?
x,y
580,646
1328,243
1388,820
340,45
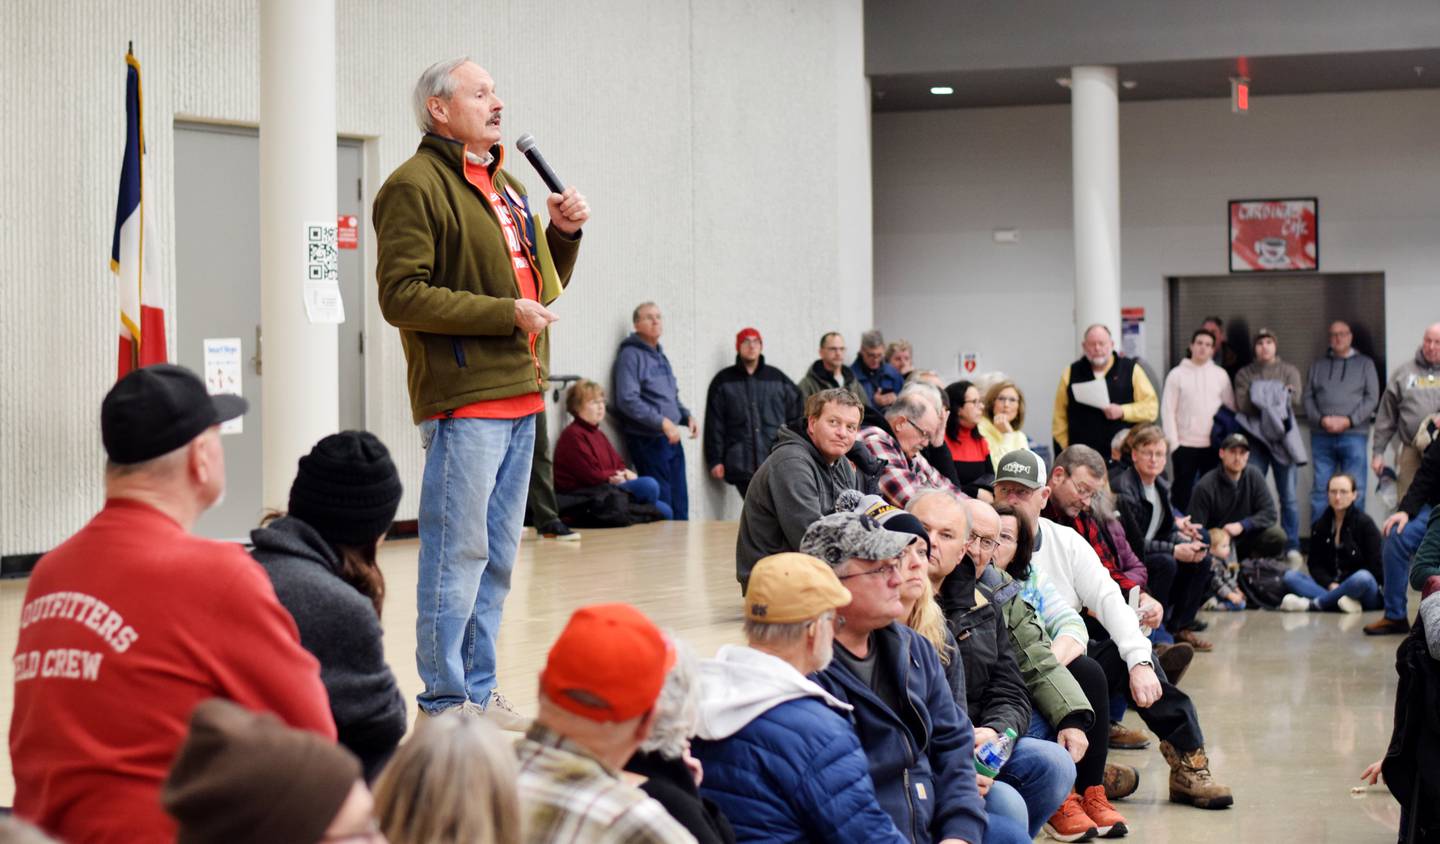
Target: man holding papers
x,y
1099,394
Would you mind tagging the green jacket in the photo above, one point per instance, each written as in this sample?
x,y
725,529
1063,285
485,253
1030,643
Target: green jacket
x,y
1056,694
446,281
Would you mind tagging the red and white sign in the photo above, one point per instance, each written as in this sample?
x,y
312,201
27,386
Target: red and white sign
x,y
347,232
1270,235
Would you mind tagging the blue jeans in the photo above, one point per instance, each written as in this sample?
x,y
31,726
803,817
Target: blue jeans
x,y
1041,774
1332,453
1361,586
1006,815
1396,553
646,490
656,457
1285,485
472,507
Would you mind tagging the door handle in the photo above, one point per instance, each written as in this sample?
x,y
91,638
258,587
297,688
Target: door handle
x,y
255,358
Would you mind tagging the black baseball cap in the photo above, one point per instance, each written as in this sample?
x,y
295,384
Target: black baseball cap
x,y
1235,440
155,410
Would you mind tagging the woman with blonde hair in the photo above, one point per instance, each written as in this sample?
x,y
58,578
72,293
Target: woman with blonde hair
x,y
1003,419
453,782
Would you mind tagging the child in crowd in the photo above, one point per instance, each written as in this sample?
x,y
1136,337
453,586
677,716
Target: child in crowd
x,y
1222,573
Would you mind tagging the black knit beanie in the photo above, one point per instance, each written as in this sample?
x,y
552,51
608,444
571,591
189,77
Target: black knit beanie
x,y
347,488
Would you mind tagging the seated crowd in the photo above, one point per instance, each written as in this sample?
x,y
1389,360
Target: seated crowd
x,y
942,633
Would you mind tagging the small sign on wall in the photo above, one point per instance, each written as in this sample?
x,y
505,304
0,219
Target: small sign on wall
x,y
1274,235
322,274
1132,332
222,375
348,232
968,364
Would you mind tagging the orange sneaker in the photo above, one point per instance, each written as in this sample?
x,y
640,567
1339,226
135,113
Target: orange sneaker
x,y
1070,823
1108,822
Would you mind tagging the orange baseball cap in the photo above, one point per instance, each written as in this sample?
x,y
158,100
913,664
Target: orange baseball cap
x,y
608,664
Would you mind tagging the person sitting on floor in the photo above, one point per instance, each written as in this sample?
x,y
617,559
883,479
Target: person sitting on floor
x,y
1344,556
914,420
780,756
597,706
452,782
1234,496
1002,424
919,744
584,457
663,766
243,777
321,559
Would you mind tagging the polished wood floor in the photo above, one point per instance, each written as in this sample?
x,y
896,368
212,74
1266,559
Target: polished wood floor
x,y
1293,706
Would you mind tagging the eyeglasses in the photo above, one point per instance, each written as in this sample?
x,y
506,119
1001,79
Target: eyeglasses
x,y
1007,539
976,402
1085,493
1006,400
1151,454
925,436
984,543
884,571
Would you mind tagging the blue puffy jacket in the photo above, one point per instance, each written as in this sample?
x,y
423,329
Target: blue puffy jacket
x,y
922,759
646,392
781,760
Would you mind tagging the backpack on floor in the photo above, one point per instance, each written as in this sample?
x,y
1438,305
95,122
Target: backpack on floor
x,y
1262,579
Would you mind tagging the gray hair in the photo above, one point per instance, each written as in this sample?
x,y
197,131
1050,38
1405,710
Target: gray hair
x,y
913,401
929,491
780,635
635,314
871,339
1080,456
677,708
436,81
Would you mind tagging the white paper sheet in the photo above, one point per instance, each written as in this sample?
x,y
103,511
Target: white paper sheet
x,y
1093,393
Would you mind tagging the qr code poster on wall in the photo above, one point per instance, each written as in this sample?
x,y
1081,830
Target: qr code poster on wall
x,y
322,274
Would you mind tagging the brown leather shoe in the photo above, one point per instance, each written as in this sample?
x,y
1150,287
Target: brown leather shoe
x,y
1120,781
1387,626
1194,640
1124,738
1191,781
1174,659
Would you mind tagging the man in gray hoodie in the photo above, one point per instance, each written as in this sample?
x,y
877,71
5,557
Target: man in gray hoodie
x,y
1269,366
1340,398
799,482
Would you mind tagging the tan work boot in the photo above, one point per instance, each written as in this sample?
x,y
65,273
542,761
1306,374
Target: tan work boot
x,y
1190,779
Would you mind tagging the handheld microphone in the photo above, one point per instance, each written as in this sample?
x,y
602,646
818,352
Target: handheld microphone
x,y
526,144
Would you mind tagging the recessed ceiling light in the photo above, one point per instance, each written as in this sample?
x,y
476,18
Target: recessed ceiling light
x,y
1129,84
942,90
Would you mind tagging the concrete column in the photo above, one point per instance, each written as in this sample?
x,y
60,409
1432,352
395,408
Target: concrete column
x,y
300,377
1095,142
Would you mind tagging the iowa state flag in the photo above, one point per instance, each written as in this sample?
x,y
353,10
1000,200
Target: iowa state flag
x,y
142,315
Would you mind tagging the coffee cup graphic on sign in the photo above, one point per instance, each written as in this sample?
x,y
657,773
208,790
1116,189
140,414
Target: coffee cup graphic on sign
x,y
1271,251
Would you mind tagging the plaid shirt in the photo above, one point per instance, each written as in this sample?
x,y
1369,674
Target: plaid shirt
x,y
568,795
902,477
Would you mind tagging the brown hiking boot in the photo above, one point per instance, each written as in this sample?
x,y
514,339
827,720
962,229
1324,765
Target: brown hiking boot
x,y
1190,636
1174,659
1124,738
1108,822
1190,779
1387,626
1120,781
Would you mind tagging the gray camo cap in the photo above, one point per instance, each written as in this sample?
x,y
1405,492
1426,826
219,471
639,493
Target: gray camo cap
x,y
844,536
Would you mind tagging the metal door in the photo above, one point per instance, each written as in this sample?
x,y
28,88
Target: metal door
x,y
217,292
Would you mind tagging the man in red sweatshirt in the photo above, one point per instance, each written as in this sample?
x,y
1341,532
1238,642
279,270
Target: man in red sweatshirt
x,y
133,621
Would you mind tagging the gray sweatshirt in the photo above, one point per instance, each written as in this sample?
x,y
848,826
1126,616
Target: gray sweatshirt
x,y
1345,387
1275,370
1412,395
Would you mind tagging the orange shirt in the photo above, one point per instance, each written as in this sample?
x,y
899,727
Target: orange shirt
x,y
514,407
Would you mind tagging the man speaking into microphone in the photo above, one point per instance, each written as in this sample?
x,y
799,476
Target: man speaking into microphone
x,y
465,273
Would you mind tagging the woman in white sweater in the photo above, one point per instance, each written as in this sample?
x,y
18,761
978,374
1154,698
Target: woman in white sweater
x,y
1194,391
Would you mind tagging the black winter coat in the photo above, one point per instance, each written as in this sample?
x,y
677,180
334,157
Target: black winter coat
x,y
669,783
743,413
339,627
1413,759
994,687
1359,548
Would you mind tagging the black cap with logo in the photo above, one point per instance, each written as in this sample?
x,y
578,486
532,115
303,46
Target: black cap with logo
x,y
155,410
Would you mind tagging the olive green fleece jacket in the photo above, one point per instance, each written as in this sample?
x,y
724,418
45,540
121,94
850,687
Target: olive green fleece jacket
x,y
446,281
1056,694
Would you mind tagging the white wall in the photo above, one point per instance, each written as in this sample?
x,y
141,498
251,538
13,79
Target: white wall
x,y
721,145
945,180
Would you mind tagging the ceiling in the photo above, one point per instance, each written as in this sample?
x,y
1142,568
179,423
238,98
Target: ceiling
x,y
1386,70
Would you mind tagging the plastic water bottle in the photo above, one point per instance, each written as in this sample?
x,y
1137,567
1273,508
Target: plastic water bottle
x,y
993,754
